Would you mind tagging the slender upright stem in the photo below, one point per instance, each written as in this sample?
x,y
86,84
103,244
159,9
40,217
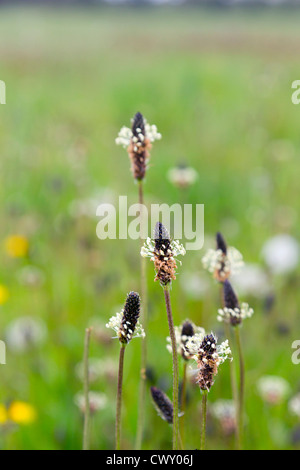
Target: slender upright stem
x,y
181,447
241,387
232,370
233,381
86,426
183,403
175,368
142,387
119,397
204,406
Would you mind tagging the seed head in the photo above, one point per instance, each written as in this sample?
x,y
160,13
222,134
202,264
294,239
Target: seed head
x,y
187,331
221,244
207,362
162,252
230,298
223,261
126,324
138,125
162,404
131,313
138,141
209,355
233,312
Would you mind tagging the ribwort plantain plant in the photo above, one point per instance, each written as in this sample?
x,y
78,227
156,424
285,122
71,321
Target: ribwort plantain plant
x,y
162,251
138,142
233,314
183,334
222,262
126,325
209,356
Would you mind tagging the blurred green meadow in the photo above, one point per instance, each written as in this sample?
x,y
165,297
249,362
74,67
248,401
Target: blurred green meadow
x,y
218,86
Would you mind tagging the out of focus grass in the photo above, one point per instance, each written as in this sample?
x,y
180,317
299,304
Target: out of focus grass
x,y
218,86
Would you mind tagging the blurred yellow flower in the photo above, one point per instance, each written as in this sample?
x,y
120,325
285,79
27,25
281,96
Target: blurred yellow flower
x,y
3,414
21,413
16,246
4,294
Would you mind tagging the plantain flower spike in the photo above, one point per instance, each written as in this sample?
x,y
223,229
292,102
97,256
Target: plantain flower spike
x,y
138,142
223,261
126,323
163,252
233,312
163,404
208,355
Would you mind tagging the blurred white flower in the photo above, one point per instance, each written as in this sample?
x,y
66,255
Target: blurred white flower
x,y
97,401
235,316
225,412
252,280
294,405
31,276
24,333
273,389
281,253
97,368
222,265
182,176
183,333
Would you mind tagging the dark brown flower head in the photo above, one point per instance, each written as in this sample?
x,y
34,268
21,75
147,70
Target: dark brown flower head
x,y
221,244
231,300
221,272
209,355
138,142
187,332
162,404
131,313
164,261
138,125
187,329
233,312
139,147
207,362
163,252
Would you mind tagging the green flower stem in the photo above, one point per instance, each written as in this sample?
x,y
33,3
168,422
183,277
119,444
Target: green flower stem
x,y
183,404
119,397
86,426
175,368
233,381
204,409
241,387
